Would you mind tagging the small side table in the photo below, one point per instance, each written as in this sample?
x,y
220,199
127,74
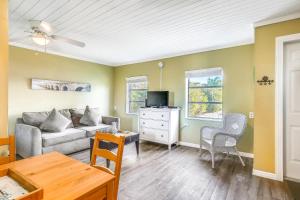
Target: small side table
x,y
130,137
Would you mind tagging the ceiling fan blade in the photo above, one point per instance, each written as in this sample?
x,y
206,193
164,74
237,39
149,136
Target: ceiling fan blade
x,y
41,25
68,40
18,39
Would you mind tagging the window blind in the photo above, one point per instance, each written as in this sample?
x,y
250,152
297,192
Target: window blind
x,y
217,71
136,79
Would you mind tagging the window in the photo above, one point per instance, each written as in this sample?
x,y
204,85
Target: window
x,y
204,93
136,93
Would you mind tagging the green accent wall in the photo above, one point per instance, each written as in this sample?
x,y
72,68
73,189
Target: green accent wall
x,y
238,93
26,64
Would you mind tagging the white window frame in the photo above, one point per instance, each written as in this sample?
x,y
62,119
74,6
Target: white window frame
x,y
132,80
197,73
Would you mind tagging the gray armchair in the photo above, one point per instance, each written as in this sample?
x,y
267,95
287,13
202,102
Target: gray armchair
x,y
224,139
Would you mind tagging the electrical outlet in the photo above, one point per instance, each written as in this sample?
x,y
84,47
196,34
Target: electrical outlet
x,y
251,115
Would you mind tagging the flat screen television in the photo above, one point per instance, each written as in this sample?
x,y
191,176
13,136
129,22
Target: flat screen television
x,y
157,99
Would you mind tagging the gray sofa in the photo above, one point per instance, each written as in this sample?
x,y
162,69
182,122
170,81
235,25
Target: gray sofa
x,y
31,140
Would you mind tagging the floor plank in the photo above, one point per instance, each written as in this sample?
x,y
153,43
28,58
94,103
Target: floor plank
x,y
159,174
294,188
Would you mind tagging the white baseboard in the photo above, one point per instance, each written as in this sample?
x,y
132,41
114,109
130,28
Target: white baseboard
x,y
292,179
246,154
264,174
187,144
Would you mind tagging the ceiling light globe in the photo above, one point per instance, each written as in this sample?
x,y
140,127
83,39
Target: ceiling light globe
x,y
40,40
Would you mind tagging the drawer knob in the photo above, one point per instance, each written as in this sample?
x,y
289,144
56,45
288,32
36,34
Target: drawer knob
x,y
143,122
162,124
143,113
162,115
162,135
143,132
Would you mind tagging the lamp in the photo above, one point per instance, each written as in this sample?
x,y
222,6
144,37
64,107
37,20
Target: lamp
x,y
40,39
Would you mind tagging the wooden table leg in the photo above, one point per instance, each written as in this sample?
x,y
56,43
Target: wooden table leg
x,y
137,146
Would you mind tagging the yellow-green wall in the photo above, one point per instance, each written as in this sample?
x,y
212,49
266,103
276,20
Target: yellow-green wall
x,y
238,93
3,66
264,129
27,64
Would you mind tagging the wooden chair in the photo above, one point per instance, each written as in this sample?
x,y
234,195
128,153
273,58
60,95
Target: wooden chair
x,y
117,158
10,141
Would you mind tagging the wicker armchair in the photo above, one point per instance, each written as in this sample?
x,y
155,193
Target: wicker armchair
x,y
224,139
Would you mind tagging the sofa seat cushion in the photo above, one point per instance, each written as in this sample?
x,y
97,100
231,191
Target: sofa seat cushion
x,y
70,134
91,130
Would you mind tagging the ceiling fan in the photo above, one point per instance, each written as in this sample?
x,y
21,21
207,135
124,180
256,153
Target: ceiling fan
x,y
41,34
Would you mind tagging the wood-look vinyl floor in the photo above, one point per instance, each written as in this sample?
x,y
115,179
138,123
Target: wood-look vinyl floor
x,y
181,174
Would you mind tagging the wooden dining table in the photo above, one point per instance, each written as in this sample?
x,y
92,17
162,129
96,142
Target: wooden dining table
x,y
62,177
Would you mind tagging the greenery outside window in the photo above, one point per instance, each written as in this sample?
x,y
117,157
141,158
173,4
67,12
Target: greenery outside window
x,y
137,88
204,90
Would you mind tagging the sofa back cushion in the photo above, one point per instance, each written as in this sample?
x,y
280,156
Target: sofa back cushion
x,y
55,122
37,118
76,115
34,118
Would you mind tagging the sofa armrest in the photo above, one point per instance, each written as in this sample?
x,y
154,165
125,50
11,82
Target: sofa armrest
x,y
28,140
109,119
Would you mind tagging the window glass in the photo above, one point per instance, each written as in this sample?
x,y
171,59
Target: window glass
x,y
137,88
204,94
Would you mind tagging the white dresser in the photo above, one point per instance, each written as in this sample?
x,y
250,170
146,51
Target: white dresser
x,y
159,125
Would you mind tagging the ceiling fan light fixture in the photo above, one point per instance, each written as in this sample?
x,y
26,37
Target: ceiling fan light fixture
x,y
40,40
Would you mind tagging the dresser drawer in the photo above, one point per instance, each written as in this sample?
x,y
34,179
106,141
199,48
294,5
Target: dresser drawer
x,y
145,114
149,123
156,115
160,116
152,134
146,134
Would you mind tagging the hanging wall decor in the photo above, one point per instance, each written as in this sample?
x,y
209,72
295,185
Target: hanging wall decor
x,y
40,84
265,81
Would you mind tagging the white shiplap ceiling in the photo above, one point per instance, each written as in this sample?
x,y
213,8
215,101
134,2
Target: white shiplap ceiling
x,y
118,32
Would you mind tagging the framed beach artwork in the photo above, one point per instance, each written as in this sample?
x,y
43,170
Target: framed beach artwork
x,y
40,84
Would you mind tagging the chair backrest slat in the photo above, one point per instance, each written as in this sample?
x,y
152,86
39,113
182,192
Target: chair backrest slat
x,y
108,137
104,169
106,154
10,141
117,158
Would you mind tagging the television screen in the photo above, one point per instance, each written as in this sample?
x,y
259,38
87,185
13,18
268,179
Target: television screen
x,y
157,98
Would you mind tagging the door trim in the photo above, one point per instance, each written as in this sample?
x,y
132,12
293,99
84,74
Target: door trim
x,y
279,87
